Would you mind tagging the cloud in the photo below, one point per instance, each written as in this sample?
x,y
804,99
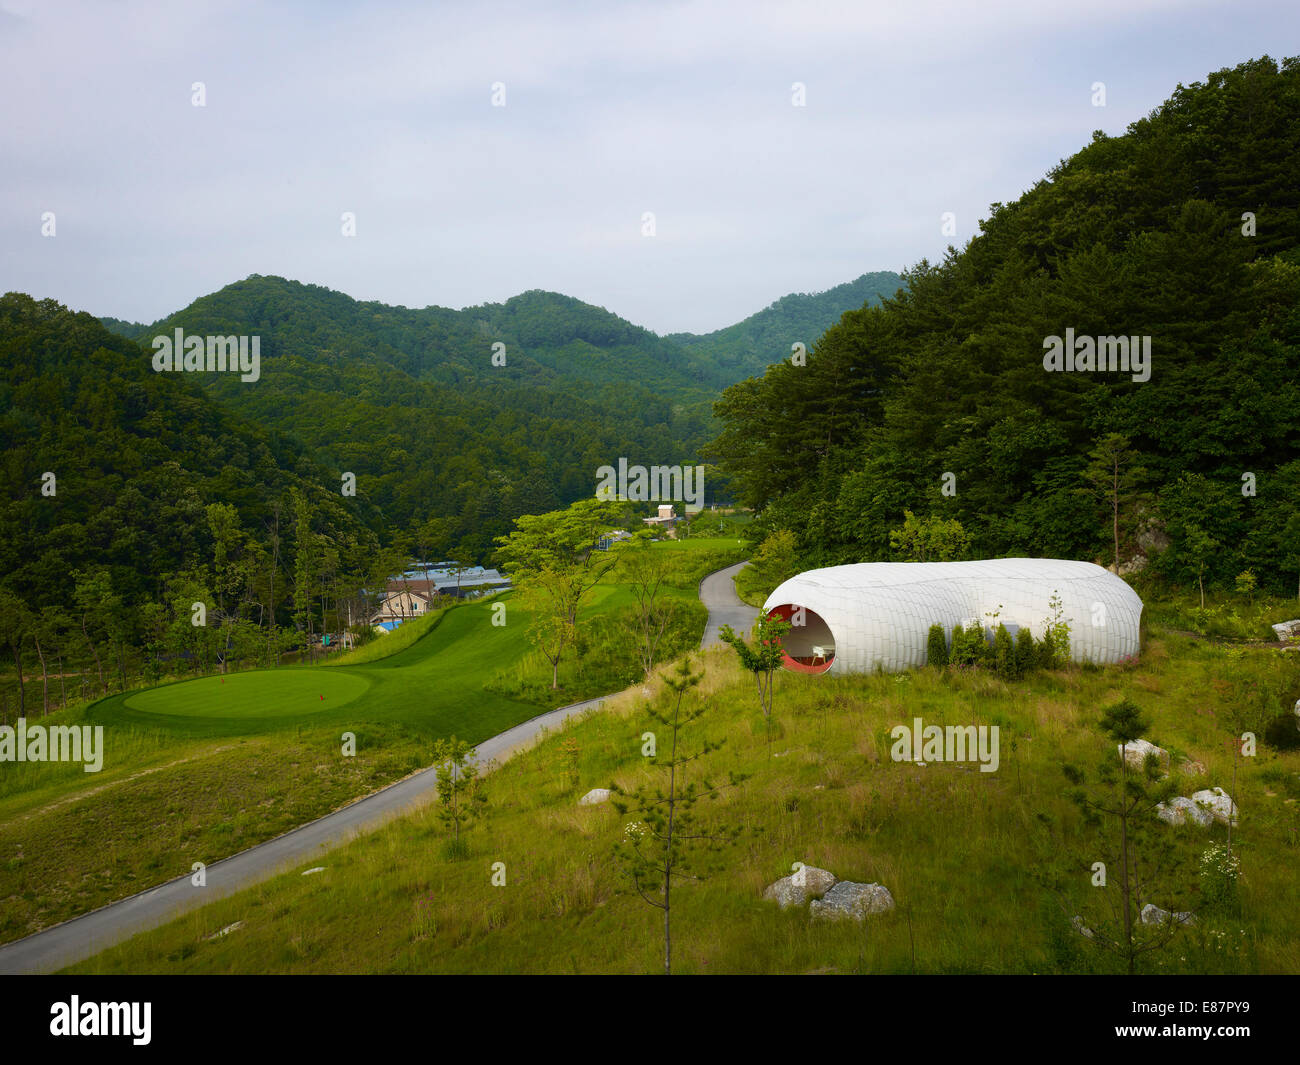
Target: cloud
x,y
682,109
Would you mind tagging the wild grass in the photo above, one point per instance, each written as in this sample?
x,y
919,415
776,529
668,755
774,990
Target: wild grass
x,y
960,850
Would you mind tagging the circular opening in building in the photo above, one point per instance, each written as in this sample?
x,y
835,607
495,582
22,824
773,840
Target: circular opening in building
x,y
809,645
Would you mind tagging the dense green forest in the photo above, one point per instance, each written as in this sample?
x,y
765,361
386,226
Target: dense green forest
x,y
1185,229
762,339
448,444
167,489
130,495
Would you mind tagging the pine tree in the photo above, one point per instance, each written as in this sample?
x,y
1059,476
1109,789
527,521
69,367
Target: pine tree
x,y
666,842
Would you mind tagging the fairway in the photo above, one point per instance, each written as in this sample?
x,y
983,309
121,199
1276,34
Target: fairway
x,y
261,693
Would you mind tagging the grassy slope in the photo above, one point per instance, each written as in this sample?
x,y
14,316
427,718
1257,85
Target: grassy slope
x,y
192,774
959,849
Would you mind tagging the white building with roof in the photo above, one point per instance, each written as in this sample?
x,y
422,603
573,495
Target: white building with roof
x,y
873,615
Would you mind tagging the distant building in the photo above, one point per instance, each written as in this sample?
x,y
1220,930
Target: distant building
x,y
398,605
445,578
666,521
611,538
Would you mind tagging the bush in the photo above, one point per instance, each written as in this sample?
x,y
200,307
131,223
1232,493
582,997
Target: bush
x,y
969,647
937,647
1026,654
1004,653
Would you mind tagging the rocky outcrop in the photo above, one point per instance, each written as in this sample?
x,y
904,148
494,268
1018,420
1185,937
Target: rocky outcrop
x,y
808,882
1287,630
594,797
1218,803
1153,914
1180,810
1203,808
849,900
1135,753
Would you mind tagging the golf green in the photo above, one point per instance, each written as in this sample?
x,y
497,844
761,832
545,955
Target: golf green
x,y
261,693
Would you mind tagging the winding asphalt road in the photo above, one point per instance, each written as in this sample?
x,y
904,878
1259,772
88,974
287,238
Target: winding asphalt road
x,y
718,593
84,936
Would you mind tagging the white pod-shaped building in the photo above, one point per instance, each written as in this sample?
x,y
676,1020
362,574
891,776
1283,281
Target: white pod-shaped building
x,y
878,614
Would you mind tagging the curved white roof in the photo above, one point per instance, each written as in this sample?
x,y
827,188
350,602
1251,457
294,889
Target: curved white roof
x,y
880,613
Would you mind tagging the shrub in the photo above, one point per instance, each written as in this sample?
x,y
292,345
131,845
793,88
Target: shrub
x,y
1004,653
1054,650
1026,654
937,647
969,647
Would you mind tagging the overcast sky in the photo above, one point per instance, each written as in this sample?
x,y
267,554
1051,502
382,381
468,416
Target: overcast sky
x,y
611,110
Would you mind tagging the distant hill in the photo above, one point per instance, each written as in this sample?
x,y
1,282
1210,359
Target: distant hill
x,y
435,429
412,403
132,330
749,347
136,456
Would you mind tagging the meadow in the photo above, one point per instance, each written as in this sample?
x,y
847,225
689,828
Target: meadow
x,y
987,869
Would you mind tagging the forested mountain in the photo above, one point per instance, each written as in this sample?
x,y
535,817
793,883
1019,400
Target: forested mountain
x,y
750,346
110,473
1185,230
439,436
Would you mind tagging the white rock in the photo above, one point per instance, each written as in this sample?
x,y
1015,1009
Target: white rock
x,y
1136,751
317,869
1076,922
847,899
1153,914
815,882
1219,804
1287,630
796,889
594,797
226,931
1181,809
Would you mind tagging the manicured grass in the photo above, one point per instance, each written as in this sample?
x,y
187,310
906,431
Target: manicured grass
x,y
278,693
960,850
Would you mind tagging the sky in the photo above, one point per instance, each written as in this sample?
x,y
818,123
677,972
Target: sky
x,y
655,159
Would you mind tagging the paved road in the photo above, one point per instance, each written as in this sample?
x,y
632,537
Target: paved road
x,y
85,936
718,593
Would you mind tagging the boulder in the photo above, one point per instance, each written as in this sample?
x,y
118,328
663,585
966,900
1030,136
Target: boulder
x,y
1136,751
815,882
1181,809
794,890
1076,922
847,899
1218,803
1287,630
1192,768
1153,914
594,796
